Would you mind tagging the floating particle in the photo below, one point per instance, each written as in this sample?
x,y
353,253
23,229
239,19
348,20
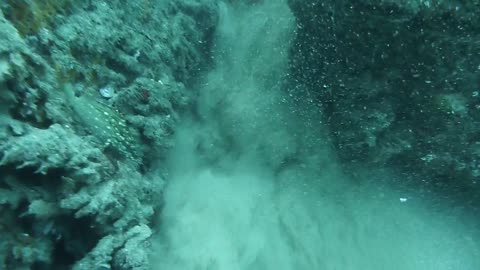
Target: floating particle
x,y
107,92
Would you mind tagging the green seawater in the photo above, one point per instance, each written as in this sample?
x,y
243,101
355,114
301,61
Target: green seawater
x,y
255,182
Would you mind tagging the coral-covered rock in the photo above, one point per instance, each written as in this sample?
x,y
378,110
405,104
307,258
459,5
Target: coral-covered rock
x,y
75,166
54,148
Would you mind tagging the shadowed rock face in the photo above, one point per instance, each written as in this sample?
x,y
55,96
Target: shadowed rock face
x,y
397,81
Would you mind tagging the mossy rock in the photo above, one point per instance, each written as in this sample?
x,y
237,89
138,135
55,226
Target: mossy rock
x,y
28,16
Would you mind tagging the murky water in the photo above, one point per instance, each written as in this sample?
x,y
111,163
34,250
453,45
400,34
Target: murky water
x,y
256,185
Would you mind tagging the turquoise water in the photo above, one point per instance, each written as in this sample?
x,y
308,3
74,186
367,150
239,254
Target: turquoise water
x,y
255,183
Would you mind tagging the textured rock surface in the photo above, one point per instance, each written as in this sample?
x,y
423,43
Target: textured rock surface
x,y
76,185
397,80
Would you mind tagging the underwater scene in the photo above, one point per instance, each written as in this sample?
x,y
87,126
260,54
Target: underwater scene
x,y
240,135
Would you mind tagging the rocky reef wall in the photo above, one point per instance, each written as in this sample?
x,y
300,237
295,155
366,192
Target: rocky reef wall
x,y
89,94
398,82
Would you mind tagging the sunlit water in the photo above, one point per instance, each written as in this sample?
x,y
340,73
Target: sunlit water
x,y
254,183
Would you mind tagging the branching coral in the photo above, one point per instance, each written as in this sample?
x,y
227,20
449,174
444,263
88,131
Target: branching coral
x,y
69,163
53,148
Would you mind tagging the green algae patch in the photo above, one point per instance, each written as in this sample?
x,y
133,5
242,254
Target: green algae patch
x,y
28,16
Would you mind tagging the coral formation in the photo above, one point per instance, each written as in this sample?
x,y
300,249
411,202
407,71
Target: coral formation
x,y
77,188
